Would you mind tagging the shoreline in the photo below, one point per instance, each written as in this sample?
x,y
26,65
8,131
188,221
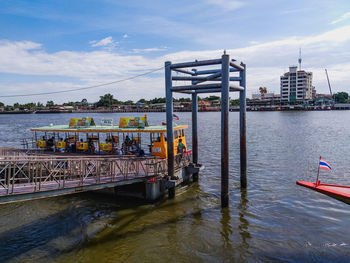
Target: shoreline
x,y
141,111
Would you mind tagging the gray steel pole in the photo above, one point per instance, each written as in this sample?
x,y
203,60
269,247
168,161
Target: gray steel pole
x,y
225,85
195,133
194,128
242,126
169,119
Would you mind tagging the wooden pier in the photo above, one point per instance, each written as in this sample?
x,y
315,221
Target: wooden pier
x,y
24,176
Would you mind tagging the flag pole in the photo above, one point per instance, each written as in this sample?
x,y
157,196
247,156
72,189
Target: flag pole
x,y
318,171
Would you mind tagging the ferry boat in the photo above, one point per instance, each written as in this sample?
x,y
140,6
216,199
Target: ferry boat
x,y
129,158
83,136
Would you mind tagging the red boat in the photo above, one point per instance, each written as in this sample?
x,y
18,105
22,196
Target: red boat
x,y
339,192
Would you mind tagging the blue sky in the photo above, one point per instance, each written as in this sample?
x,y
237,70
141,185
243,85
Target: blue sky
x,y
57,45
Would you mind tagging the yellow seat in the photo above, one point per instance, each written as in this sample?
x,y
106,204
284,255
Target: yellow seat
x,y
107,147
83,146
60,145
41,144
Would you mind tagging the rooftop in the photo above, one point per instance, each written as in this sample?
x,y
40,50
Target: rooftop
x,y
99,128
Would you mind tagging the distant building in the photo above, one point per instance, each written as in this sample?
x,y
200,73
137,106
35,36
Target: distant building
x,y
264,100
323,101
182,106
329,96
158,106
296,86
263,96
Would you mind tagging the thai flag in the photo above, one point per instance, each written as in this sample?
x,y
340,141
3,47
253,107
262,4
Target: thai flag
x,y
325,165
175,117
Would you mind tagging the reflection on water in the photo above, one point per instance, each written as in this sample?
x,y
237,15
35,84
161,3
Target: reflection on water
x,y
226,227
273,221
244,226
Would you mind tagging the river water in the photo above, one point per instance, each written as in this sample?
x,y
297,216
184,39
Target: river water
x,y
273,221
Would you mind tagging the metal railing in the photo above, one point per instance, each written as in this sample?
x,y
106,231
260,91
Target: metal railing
x,y
183,160
28,143
22,173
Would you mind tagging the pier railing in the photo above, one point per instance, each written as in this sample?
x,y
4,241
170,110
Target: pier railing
x,y
21,173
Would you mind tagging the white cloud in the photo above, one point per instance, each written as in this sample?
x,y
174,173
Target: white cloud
x,y
107,42
20,45
293,11
125,36
265,63
148,50
341,19
226,4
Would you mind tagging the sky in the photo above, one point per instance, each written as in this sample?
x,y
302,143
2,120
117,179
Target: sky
x,y
48,46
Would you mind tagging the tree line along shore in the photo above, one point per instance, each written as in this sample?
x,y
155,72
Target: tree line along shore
x,y
107,103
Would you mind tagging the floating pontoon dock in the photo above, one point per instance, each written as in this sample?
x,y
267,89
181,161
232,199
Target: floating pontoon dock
x,y
25,176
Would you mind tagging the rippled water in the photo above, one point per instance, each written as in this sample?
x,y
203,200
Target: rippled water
x,y
274,220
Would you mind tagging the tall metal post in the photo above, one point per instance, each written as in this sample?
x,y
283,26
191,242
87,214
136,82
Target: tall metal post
x,y
169,119
194,128
194,133
225,85
242,126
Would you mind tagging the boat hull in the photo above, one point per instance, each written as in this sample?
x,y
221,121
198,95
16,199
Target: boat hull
x,y
339,192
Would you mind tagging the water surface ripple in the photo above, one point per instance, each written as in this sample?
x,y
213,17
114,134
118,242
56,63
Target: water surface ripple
x,y
273,221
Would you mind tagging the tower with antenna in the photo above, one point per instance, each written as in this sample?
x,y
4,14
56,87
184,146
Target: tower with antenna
x,y
299,60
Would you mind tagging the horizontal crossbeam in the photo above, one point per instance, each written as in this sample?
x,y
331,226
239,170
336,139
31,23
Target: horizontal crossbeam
x,y
232,64
196,87
196,63
186,92
184,71
197,78
205,88
212,71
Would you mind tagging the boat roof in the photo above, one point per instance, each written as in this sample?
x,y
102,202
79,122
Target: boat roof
x,y
102,129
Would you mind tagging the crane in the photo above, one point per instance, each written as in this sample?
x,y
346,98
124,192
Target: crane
x,y
329,84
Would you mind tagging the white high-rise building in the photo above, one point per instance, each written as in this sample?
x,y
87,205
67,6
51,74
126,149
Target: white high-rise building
x,y
296,86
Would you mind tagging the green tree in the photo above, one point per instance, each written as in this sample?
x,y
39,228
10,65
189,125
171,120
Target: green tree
x,y
234,102
39,105
2,104
142,101
84,102
184,100
9,108
157,100
107,100
30,105
50,103
129,102
341,97
16,105
70,103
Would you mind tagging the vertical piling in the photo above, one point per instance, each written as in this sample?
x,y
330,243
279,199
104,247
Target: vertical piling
x,y
242,126
225,70
169,119
195,133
